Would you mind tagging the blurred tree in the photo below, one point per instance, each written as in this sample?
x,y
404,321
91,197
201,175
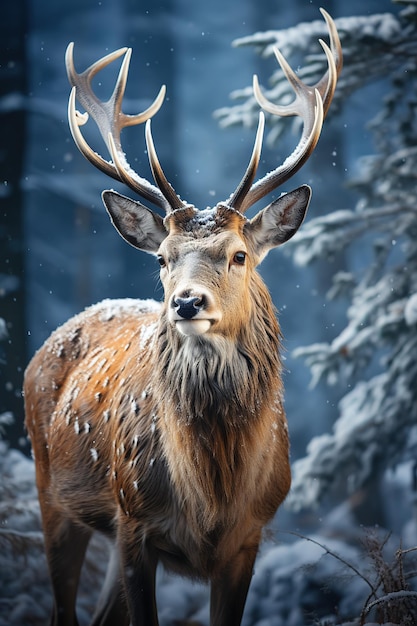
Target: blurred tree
x,y
12,143
375,354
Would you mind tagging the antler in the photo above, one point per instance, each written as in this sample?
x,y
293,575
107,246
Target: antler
x,y
311,104
111,120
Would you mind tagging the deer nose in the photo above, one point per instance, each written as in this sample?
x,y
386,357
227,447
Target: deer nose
x,y
187,308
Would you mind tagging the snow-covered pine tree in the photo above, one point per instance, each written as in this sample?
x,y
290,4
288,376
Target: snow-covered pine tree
x,y
375,355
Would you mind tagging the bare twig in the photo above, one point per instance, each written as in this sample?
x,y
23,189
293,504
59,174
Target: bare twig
x,y
393,595
336,556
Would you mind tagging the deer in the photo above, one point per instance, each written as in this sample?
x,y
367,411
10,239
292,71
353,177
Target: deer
x,y
161,425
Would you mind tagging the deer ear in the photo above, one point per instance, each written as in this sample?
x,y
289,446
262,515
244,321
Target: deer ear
x,y
279,221
137,224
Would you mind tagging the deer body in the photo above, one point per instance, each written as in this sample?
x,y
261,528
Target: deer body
x,y
193,487
162,425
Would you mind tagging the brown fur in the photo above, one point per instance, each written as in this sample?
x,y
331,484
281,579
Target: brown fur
x,y
175,443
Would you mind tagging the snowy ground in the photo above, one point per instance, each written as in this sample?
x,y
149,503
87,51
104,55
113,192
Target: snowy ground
x,y
295,583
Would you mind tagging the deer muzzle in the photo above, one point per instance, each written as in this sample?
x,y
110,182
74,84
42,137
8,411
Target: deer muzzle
x,y
192,313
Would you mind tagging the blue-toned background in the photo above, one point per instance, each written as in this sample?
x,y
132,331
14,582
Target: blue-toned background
x,y
61,252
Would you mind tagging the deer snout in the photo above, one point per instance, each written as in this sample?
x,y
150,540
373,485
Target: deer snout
x,y
193,312
187,308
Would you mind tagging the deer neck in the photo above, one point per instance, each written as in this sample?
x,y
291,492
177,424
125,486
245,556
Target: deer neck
x,y
211,379
216,397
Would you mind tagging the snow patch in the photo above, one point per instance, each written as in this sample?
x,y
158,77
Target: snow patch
x,y
113,308
410,310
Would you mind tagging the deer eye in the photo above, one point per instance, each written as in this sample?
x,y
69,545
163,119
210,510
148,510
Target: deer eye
x,y
239,258
161,260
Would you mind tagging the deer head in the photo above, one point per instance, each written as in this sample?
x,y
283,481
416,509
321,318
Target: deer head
x,y
190,243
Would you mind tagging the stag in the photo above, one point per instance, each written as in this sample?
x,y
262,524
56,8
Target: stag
x,y
161,425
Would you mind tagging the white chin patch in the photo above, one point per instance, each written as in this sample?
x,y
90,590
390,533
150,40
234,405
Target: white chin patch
x,y
193,327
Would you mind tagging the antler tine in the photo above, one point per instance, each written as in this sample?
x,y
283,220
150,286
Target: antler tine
x,y
76,119
159,176
311,103
247,179
110,121
333,55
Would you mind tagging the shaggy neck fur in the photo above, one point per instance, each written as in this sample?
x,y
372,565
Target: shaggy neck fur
x,y
216,395
214,377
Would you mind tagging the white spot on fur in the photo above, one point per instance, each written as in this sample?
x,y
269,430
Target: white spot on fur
x,y
94,454
101,364
134,462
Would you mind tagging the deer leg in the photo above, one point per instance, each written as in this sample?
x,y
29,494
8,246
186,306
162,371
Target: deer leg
x,y
111,606
230,588
65,546
139,570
